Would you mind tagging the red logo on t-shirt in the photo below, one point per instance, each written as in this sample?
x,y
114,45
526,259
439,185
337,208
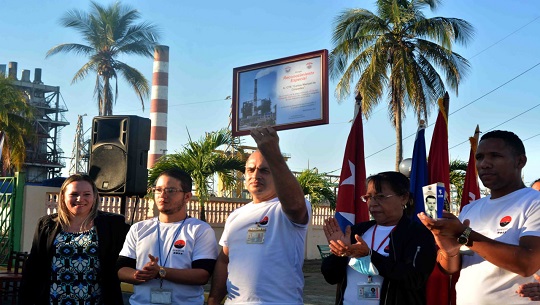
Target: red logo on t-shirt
x,y
179,244
264,221
505,221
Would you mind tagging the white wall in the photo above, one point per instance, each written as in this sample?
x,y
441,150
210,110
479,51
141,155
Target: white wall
x,y
34,207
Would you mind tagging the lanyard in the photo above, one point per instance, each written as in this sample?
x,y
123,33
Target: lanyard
x,y
159,241
382,242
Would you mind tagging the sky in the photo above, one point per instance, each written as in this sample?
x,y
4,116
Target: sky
x,y
207,39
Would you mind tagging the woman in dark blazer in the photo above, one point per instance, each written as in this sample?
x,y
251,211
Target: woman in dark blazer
x,y
74,252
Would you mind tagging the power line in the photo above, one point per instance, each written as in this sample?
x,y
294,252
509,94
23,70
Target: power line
x,y
497,88
474,101
175,105
510,119
500,40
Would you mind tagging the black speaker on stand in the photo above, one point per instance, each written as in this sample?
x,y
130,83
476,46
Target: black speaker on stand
x,y
119,155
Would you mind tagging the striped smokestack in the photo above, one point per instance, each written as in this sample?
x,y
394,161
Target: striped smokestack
x,y
159,105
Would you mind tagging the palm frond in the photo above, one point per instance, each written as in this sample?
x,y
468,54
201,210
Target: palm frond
x,y
202,160
110,31
397,54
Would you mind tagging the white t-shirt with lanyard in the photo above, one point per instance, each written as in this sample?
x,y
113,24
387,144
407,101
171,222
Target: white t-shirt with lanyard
x,y
177,245
380,237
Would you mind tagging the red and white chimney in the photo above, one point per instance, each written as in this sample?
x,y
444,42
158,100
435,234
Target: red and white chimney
x,y
159,105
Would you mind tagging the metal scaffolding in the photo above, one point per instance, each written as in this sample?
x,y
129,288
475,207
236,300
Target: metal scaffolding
x,y
80,154
43,156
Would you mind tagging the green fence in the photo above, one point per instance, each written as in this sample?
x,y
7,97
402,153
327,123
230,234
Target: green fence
x,y
11,202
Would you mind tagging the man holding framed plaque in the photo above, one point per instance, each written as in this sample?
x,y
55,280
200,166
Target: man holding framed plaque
x,y
263,241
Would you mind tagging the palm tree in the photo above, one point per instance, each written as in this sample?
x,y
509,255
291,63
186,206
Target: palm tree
x,y
398,52
110,32
318,187
458,169
201,160
15,124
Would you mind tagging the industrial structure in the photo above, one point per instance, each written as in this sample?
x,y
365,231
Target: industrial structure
x,y
159,105
44,155
258,112
80,154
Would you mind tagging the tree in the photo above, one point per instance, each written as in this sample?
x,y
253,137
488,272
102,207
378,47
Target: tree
x,y
318,187
458,169
201,160
110,32
15,123
398,52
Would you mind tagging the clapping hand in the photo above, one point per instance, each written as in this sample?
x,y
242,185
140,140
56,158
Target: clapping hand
x,y
149,271
332,231
530,290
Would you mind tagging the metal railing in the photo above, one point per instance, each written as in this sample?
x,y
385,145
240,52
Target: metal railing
x,y
216,209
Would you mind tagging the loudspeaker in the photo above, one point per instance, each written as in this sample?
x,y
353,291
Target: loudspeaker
x,y
119,154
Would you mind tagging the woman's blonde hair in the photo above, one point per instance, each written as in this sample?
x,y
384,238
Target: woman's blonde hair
x,y
64,215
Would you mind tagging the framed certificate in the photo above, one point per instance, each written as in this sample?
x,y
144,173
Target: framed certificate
x,y
285,93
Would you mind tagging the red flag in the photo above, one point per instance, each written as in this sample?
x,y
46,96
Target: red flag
x,y
471,189
350,209
440,289
438,160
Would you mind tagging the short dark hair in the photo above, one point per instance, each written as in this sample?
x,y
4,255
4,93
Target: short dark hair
x,y
430,197
398,182
509,138
185,179
537,180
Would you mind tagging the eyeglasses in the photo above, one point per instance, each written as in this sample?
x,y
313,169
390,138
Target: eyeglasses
x,y
167,190
376,198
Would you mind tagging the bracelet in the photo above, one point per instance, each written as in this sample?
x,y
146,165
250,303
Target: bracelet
x,y
449,256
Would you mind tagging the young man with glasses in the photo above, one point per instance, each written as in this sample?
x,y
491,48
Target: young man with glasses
x,y
263,241
170,257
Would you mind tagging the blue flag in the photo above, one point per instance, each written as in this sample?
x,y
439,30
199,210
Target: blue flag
x,y
419,172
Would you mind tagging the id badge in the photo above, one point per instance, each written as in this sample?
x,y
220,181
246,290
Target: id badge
x,y
256,235
368,291
160,296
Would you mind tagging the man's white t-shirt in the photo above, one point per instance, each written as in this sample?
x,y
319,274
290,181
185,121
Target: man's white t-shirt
x,y
194,240
266,254
505,219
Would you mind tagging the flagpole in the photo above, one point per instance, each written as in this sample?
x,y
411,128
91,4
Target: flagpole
x,y
357,105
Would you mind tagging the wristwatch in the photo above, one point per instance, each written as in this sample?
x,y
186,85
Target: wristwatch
x,y
464,237
162,272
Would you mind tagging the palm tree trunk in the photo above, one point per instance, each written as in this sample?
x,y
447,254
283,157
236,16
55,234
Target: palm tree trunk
x,y
399,138
107,97
397,117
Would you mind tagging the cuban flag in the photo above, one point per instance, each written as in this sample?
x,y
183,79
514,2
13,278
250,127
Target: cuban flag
x,y
350,209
